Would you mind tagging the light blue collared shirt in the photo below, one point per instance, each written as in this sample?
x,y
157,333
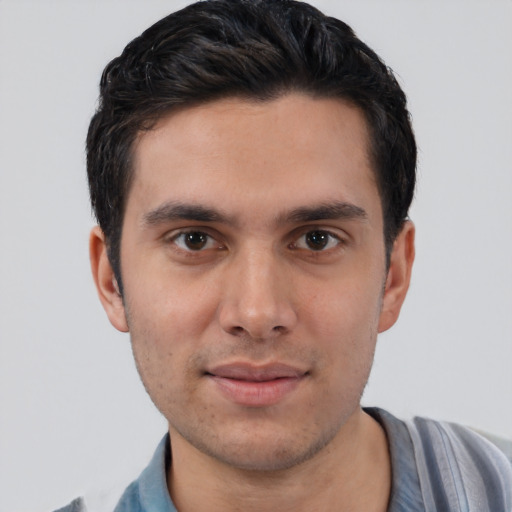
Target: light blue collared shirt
x,y
436,466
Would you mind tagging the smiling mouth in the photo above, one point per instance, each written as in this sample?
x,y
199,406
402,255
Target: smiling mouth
x,y
252,386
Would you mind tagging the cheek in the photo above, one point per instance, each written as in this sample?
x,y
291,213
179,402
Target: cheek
x,y
162,343
344,322
169,324
343,312
170,306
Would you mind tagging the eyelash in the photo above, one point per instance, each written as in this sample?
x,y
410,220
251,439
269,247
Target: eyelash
x,y
299,244
209,240
331,237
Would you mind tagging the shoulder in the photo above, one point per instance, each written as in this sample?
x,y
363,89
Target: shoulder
x,y
444,466
454,440
147,492
455,464
113,499
77,505
504,445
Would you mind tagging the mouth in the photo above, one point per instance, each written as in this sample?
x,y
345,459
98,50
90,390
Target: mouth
x,y
256,386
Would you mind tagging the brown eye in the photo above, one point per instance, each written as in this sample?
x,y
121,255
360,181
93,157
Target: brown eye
x,y
193,241
317,240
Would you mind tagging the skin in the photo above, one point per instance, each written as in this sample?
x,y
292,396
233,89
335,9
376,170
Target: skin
x,y
267,275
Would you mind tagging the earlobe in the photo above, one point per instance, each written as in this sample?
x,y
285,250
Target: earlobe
x,y
398,278
105,280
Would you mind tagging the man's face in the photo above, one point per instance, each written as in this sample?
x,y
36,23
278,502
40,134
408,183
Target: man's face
x,y
253,266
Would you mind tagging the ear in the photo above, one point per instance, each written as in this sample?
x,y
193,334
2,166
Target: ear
x,y
398,278
105,280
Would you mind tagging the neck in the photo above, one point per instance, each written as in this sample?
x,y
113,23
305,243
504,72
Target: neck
x,y
352,472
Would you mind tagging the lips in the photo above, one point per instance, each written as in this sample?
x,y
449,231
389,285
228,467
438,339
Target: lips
x,y
256,386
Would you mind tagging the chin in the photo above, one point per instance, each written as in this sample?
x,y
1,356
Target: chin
x,y
266,450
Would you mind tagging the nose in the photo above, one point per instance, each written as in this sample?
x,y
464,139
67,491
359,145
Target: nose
x,y
257,297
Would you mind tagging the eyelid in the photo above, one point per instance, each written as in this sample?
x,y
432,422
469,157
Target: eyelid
x,y
335,234
172,236
215,238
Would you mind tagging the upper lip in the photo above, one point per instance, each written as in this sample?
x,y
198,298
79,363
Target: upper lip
x,y
255,373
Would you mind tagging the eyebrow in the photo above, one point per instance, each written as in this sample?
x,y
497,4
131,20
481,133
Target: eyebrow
x,y
172,211
180,211
338,210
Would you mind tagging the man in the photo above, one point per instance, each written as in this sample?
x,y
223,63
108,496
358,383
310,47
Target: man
x,y
251,165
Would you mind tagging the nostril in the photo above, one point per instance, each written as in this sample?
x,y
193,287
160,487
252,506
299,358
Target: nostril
x,y
244,333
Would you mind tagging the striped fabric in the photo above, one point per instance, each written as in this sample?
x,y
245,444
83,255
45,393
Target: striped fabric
x,y
458,470
436,467
444,467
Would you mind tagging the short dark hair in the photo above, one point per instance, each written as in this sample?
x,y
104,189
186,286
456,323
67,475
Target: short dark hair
x,y
254,49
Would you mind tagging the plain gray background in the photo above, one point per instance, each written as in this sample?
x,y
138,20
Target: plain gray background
x,y
74,415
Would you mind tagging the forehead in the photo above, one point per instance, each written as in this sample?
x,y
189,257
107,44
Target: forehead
x,y
238,151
